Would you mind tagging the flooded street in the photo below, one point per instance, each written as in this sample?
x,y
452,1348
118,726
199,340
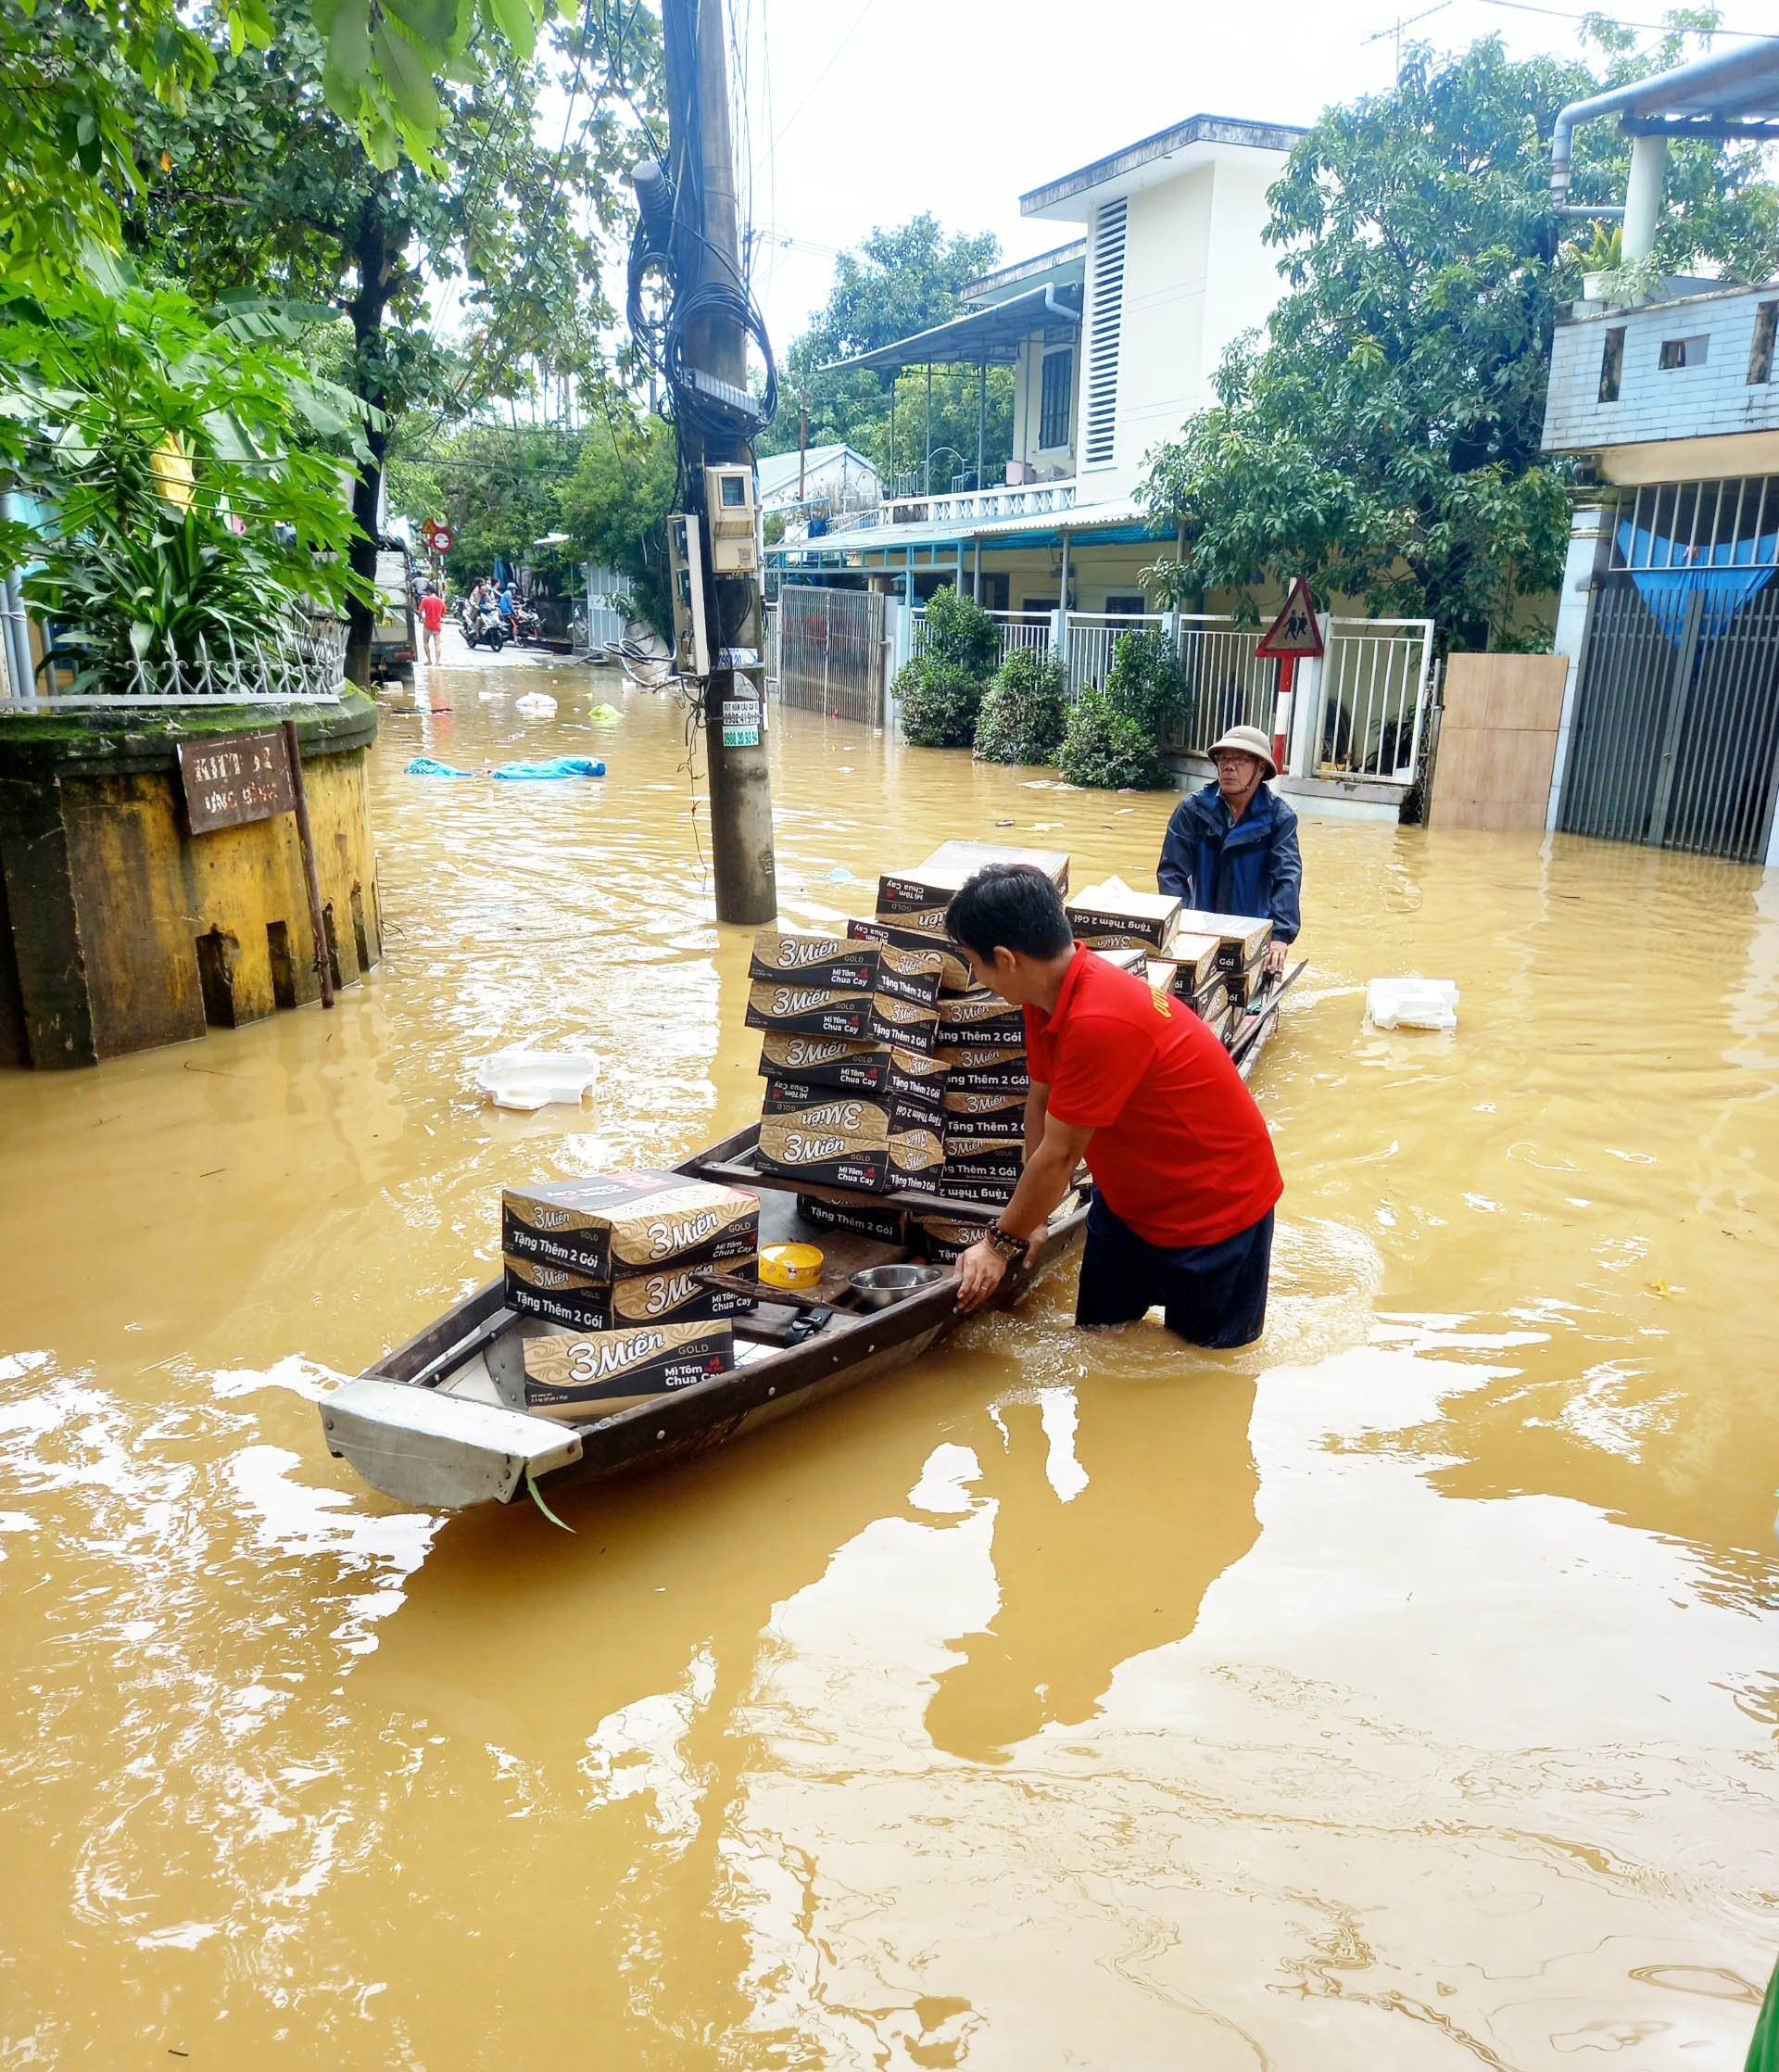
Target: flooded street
x,y
1400,1692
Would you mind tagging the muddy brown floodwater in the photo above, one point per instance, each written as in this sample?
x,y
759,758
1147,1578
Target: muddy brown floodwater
x,y
1399,1693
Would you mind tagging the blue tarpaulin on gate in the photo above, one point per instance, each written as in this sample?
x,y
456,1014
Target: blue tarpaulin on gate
x,y
1721,571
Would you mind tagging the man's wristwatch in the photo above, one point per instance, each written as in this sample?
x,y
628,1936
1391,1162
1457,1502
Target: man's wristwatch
x,y
1003,1242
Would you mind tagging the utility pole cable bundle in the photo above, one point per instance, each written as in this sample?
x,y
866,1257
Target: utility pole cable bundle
x,y
688,238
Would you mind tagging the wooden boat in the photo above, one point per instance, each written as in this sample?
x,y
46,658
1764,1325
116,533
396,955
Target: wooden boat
x,y
441,1423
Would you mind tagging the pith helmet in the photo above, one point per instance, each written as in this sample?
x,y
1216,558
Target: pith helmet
x,y
1251,741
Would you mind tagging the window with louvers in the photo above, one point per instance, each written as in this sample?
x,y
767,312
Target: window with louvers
x,y
1105,334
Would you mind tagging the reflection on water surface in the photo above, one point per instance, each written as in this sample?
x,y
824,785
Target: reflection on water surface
x,y
1398,1692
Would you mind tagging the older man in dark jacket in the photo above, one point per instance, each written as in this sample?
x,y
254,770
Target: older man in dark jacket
x,y
1232,846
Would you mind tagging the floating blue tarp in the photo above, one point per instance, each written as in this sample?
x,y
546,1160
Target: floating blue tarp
x,y
551,766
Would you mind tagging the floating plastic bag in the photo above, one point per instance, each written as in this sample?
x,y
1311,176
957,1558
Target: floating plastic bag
x,y
1412,1002
603,714
534,704
553,767
527,1079
423,765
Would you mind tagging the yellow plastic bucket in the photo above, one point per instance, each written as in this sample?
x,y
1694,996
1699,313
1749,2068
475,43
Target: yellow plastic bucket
x,y
791,1265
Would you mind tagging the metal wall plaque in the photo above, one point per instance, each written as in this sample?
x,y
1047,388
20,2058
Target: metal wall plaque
x,y
232,778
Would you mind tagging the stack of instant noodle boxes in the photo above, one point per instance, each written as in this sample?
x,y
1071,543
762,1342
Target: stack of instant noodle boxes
x,y
890,1070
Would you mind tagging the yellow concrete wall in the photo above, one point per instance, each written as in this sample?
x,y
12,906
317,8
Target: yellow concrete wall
x,y
145,891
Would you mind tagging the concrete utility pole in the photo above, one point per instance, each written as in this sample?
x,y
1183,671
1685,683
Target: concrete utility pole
x,y
739,778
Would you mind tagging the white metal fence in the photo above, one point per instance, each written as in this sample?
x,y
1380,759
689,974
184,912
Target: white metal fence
x,y
1372,685
1374,695
301,667
1016,629
1227,684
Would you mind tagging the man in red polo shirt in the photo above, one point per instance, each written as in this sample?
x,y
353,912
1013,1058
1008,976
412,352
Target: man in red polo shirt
x,y
1184,1176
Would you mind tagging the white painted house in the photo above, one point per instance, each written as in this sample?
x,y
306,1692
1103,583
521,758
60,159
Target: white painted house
x,y
1114,337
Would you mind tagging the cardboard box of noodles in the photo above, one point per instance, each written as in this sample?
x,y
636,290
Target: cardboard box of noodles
x,y
953,973
888,1226
848,965
675,1294
858,1150
1196,959
1213,1000
627,1222
874,1069
815,960
917,900
982,1020
1112,916
596,1374
901,1021
824,1107
945,1239
999,1069
980,1193
857,1017
1001,1110
1243,938
983,1157
961,860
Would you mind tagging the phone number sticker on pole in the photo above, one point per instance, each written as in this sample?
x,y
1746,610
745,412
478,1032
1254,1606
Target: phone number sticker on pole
x,y
741,723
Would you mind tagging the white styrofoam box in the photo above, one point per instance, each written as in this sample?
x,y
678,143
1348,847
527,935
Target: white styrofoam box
x,y
533,1079
1412,1002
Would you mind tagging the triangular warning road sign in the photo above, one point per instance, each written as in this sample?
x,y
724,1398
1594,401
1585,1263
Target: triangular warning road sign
x,y
1295,631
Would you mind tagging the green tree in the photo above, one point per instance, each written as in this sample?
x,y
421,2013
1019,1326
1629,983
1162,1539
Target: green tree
x,y
260,185
498,486
897,282
615,506
67,146
1383,437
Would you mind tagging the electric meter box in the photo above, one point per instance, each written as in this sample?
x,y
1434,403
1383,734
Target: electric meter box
x,y
733,518
686,570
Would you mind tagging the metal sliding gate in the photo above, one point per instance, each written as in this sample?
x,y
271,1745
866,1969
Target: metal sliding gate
x,y
1675,740
831,652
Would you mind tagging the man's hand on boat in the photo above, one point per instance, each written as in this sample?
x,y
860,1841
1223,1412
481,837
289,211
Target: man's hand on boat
x,y
1050,1170
1274,967
980,1272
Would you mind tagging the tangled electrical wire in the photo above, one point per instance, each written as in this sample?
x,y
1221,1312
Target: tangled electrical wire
x,y
696,282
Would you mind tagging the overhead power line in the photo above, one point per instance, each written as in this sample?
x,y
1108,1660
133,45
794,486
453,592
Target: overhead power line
x,y
1612,21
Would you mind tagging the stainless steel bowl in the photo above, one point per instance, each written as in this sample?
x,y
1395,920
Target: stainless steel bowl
x,y
878,1286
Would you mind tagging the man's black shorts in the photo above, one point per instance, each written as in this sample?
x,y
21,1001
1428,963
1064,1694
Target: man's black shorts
x,y
1211,1295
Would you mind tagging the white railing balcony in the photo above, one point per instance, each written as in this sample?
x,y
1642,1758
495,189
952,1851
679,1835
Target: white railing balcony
x,y
1030,500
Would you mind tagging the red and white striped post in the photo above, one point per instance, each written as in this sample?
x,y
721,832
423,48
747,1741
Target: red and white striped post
x,y
1287,666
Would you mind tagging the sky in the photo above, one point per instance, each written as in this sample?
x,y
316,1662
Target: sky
x,y
864,112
